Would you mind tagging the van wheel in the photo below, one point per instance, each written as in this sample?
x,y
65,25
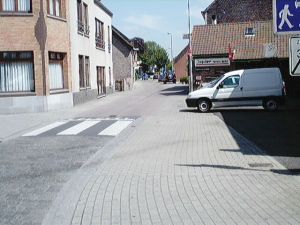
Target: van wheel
x,y
204,105
270,105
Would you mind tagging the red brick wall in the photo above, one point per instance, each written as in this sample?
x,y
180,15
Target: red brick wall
x,y
19,33
229,11
181,66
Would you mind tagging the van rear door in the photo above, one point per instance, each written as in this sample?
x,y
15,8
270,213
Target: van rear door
x,y
261,83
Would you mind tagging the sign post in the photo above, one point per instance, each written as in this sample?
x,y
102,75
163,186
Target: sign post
x,y
286,16
295,56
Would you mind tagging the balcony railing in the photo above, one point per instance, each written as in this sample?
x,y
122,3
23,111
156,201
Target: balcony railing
x,y
99,42
87,30
80,27
109,48
83,28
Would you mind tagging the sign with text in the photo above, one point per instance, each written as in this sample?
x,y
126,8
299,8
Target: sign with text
x,y
295,56
286,16
186,36
210,62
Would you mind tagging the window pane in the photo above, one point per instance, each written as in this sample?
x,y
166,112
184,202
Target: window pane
x,y
56,76
87,71
57,7
81,72
16,76
86,16
51,7
24,5
8,5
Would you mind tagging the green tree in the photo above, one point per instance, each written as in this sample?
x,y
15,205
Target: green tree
x,y
154,54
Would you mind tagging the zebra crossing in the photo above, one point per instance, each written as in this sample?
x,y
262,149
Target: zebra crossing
x,y
84,127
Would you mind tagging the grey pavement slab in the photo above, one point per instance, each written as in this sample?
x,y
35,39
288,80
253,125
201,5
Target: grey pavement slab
x,y
181,168
171,166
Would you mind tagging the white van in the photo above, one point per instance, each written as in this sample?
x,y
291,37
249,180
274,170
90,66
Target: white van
x,y
249,87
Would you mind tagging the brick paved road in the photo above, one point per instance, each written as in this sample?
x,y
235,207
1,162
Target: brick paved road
x,y
179,167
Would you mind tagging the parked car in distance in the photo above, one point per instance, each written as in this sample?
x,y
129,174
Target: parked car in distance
x,y
155,76
150,75
249,87
145,76
169,77
161,78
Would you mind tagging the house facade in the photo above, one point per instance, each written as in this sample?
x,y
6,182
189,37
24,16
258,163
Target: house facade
x,y
35,71
226,45
231,11
91,50
181,63
124,61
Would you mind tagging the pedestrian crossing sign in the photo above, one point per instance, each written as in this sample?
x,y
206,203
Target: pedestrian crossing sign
x,y
286,16
294,55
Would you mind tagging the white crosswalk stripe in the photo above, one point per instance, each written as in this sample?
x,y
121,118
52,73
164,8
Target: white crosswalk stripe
x,y
79,128
45,129
83,126
115,128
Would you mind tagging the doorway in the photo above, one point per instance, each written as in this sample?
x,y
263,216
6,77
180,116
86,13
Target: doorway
x,y
101,80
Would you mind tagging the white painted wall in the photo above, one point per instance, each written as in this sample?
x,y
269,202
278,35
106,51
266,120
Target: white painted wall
x,y
81,45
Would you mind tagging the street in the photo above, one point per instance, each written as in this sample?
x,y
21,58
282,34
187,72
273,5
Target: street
x,y
142,157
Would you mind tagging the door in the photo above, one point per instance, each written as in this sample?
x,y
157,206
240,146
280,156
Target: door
x,y
101,80
229,92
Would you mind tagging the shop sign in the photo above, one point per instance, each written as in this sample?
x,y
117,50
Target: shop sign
x,y
212,62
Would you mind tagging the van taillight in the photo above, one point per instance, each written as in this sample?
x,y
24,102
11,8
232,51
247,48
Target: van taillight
x,y
283,88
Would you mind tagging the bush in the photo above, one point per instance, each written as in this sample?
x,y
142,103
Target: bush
x,y
184,80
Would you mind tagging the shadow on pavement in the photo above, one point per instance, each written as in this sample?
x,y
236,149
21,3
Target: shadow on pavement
x,y
277,133
176,90
282,172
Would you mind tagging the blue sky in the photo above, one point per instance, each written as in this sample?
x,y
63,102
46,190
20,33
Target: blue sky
x,y
153,19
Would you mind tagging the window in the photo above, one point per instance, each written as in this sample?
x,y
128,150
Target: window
x,y
54,8
250,31
109,42
84,71
16,72
87,71
231,82
16,6
83,18
86,19
110,78
56,75
99,34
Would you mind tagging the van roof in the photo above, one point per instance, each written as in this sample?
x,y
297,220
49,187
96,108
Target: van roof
x,y
252,70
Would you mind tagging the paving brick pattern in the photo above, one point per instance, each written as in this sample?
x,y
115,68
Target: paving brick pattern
x,y
192,169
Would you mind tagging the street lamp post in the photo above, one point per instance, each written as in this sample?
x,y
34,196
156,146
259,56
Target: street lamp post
x,y
190,50
172,51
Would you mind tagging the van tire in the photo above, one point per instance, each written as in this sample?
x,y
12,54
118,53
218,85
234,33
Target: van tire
x,y
204,105
270,104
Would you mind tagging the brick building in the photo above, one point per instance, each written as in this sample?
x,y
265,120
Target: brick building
x,y
229,44
231,11
34,57
124,61
53,54
181,63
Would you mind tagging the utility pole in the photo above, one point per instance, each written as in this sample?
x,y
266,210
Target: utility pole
x,y
191,83
172,51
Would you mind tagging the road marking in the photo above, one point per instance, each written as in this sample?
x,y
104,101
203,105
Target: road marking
x,y
79,127
115,128
45,129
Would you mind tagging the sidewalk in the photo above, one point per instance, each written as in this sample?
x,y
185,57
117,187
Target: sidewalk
x,y
192,169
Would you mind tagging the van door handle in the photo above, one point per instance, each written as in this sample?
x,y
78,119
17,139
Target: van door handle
x,y
241,88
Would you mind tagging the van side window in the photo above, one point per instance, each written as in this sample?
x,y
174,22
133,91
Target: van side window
x,y
231,82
